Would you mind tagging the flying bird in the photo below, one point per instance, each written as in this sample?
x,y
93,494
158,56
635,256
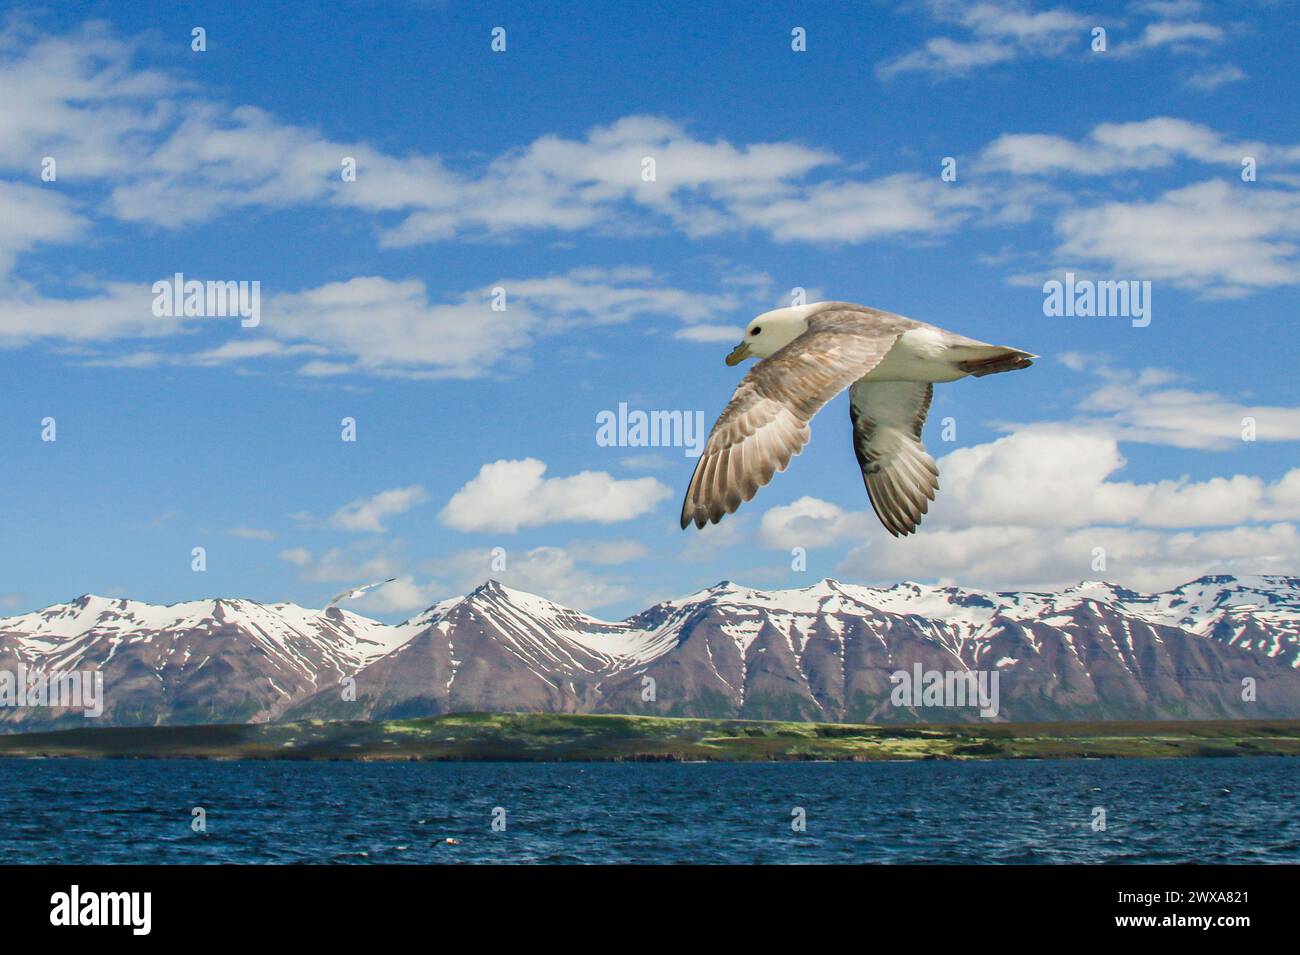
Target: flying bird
x,y
357,592
809,354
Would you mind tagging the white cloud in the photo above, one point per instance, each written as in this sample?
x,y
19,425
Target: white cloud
x,y
1143,144
1054,475
710,333
1030,509
370,324
508,495
649,462
810,522
606,552
251,533
1214,236
169,157
712,541
1181,35
111,311
998,31
1222,237
1143,407
32,215
366,514
946,56
596,182
832,212
1012,557
78,99
299,556
351,565
391,326
555,573
1212,77
995,32
231,352
402,595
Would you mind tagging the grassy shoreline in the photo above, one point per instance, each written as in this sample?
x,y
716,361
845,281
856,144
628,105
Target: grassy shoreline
x,y
567,737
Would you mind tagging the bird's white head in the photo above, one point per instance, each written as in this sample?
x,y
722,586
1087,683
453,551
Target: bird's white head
x,y
771,332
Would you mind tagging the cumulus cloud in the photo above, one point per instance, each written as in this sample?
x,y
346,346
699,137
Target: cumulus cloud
x,y
1220,237
1143,144
1151,406
366,514
507,495
606,552
1014,557
1212,236
1037,508
402,595
117,310
349,565
575,576
1052,475
811,522
894,205
386,325
32,216
555,573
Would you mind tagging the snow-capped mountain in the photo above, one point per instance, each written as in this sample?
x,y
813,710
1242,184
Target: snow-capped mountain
x,y
199,661
824,652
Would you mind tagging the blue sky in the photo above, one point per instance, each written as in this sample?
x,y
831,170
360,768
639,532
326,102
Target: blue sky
x,y
522,169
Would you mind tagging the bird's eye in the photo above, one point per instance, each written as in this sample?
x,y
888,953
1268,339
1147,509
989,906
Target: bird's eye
x,y
755,331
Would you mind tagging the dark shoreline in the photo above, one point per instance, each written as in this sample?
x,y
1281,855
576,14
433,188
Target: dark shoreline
x,y
545,737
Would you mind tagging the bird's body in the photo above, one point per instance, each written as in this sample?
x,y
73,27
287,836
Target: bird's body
x,y
811,353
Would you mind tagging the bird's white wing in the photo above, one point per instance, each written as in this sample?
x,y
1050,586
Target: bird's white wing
x,y
766,421
901,477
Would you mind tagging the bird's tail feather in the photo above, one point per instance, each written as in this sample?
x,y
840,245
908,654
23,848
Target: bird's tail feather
x,y
994,359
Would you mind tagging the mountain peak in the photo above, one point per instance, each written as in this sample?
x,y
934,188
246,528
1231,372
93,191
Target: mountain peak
x,y
514,638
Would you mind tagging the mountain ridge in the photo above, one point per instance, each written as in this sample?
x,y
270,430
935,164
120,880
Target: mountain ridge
x,y
825,652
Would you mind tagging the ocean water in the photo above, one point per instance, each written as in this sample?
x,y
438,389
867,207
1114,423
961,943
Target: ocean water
x,y
140,811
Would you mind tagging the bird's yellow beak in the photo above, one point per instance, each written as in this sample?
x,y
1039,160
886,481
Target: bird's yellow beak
x,y
738,354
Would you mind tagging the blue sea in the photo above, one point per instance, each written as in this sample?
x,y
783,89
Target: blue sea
x,y
1156,811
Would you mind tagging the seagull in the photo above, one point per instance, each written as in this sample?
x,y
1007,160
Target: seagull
x,y
357,592
809,354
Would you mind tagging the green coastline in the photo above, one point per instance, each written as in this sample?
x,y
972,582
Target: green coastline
x,y
572,737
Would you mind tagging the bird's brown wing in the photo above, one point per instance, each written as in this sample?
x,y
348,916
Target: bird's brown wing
x,y
766,421
900,476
